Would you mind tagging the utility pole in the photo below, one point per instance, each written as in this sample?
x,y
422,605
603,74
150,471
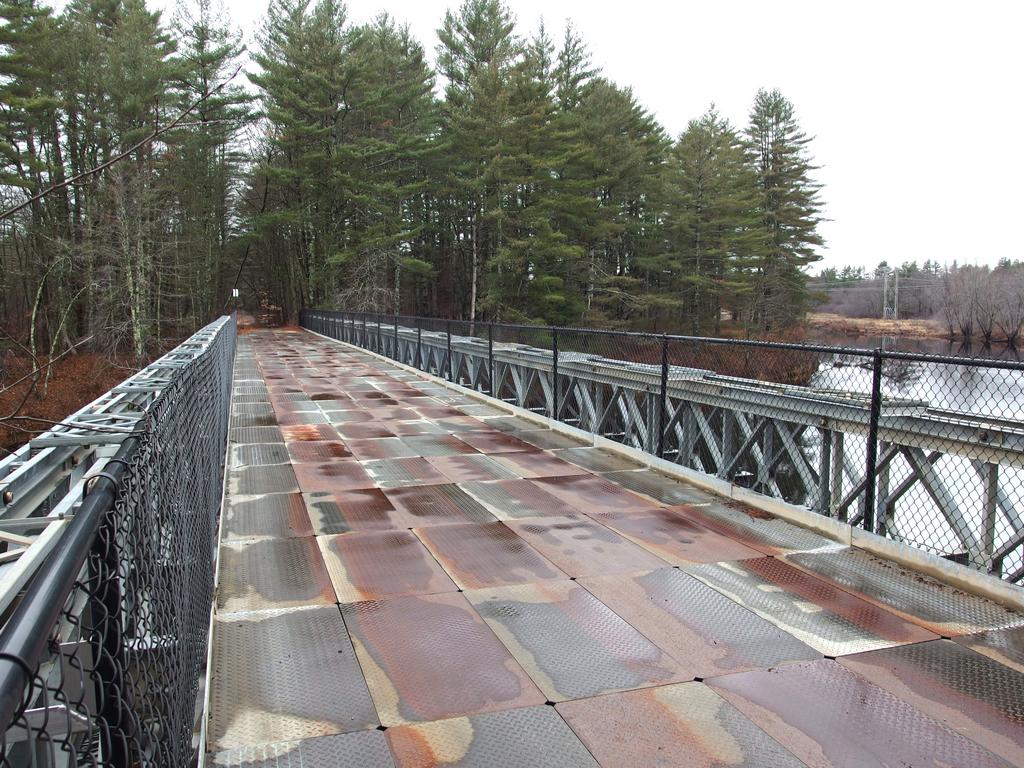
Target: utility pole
x,y
896,298
885,295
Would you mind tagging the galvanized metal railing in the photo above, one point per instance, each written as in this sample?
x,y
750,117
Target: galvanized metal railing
x,y
923,449
109,521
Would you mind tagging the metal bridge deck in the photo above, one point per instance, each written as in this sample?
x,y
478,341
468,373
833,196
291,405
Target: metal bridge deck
x,y
398,587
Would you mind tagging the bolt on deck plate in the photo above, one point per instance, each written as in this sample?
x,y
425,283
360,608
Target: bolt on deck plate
x,y
705,631
686,725
570,643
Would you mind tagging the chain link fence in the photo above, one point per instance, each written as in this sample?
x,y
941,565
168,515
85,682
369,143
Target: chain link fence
x,y
924,449
102,657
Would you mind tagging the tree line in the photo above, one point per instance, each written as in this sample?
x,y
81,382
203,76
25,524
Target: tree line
x,y
509,181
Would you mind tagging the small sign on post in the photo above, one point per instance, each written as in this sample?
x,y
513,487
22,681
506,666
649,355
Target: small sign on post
x,y
234,293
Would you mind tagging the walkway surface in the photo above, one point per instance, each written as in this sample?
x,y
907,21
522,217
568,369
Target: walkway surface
x,y
409,577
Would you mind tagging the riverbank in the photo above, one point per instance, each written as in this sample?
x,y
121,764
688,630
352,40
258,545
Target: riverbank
x,y
866,326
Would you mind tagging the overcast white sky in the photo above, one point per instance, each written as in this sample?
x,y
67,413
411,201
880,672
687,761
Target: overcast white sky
x,y
916,107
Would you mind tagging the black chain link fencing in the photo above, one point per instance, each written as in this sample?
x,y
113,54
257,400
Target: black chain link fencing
x,y
101,660
924,449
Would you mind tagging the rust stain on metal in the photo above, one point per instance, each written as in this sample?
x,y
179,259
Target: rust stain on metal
x,y
582,547
471,467
363,509
1005,646
372,565
331,476
974,695
435,504
486,554
272,573
828,716
432,657
510,499
675,538
309,432
318,451
539,464
363,431
686,725
705,631
278,515
491,442
593,494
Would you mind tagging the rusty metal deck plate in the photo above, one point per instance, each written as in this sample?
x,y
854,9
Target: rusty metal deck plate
x,y
662,489
570,643
256,435
702,629
437,445
278,515
359,749
305,452
413,428
596,459
474,467
829,716
1005,646
363,430
431,657
364,509
675,538
256,698
970,693
400,473
301,418
686,725
824,617
549,440
514,424
372,565
511,499
333,476
297,432
380,448
538,464
437,504
593,494
516,738
493,441
252,481
259,455
581,547
486,554
756,529
939,607
253,420
272,573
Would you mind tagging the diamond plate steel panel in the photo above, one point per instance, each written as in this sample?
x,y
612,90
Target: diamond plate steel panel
x,y
359,749
702,629
570,643
411,428
273,478
486,554
596,459
657,486
318,451
272,573
256,435
431,657
364,431
257,698
436,445
259,455
252,409
364,509
1005,646
974,695
493,441
549,440
828,619
534,737
380,448
473,467
399,473
482,410
299,432
593,494
679,726
828,716
939,607
675,538
372,565
301,418
538,464
756,529
333,476
513,424
510,499
435,504
582,547
244,420
279,515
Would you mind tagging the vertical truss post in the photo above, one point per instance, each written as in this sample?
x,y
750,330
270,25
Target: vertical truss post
x,y
396,356
872,457
554,373
448,333
663,397
490,359
419,344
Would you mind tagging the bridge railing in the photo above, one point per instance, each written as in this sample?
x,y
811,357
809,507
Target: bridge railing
x,y
109,521
924,449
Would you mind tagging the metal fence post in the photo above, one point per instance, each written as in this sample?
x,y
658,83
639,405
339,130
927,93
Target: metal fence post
x,y
419,344
366,341
396,355
663,397
554,373
451,372
872,454
490,359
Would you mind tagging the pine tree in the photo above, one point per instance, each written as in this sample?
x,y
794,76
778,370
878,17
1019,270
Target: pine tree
x,y
790,208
